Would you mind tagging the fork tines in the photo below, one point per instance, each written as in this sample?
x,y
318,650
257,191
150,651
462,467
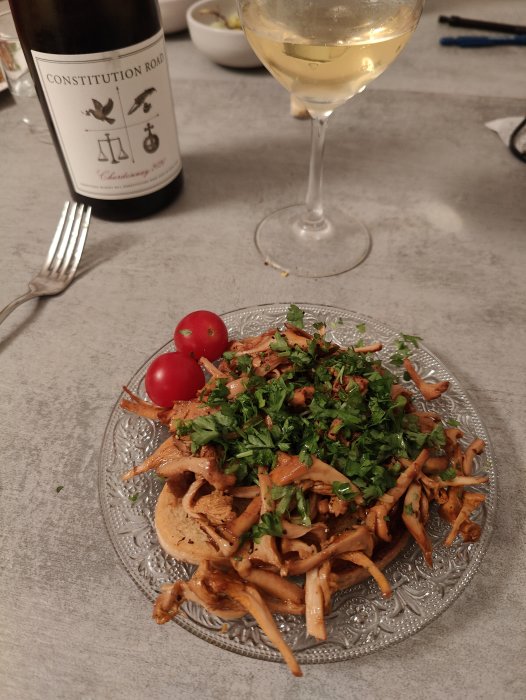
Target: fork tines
x,y
68,242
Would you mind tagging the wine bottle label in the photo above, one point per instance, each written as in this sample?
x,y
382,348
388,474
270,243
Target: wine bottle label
x,y
114,118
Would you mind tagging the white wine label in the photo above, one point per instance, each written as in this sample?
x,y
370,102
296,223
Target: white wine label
x,y
114,118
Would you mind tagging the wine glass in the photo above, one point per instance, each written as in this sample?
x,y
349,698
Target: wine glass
x,y
323,52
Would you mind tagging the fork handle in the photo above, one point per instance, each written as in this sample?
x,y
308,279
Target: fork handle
x,y
13,305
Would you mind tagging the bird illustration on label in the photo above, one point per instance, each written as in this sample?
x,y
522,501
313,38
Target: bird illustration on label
x,y
101,111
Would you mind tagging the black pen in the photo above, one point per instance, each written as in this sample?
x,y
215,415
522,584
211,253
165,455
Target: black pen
x,y
454,21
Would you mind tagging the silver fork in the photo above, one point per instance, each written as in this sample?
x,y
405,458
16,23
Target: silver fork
x,y
62,259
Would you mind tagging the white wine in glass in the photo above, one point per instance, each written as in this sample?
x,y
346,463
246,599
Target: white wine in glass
x,y
323,52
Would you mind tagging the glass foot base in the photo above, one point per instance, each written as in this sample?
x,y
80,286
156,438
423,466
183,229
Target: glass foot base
x,y
340,244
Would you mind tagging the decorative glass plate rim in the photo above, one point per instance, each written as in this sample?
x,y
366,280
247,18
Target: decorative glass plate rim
x,y
316,652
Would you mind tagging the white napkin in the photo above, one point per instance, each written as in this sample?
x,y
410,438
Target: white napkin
x,y
504,128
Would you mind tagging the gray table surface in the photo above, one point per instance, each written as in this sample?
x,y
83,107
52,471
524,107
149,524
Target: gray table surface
x,y
446,206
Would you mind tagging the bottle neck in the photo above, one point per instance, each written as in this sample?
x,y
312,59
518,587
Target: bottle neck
x,y
84,26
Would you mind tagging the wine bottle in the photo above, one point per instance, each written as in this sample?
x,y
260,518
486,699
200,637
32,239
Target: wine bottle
x,y
101,75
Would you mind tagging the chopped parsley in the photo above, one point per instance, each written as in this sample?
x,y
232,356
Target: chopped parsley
x,y
360,433
343,490
290,502
404,349
448,474
270,524
295,316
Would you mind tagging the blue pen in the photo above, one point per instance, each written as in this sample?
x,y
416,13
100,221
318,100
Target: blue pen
x,y
471,42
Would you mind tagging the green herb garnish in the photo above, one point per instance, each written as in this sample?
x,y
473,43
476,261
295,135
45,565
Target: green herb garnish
x,y
360,434
403,348
295,316
270,524
343,490
448,474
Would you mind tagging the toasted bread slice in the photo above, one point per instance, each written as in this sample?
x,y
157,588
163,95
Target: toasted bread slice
x,y
178,534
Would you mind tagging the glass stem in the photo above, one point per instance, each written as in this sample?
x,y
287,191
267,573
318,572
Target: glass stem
x,y
314,217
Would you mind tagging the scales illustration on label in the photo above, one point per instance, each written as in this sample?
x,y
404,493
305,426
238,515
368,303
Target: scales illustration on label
x,y
111,149
112,112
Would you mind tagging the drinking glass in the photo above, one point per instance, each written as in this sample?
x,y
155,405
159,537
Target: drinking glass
x,y
323,52
19,80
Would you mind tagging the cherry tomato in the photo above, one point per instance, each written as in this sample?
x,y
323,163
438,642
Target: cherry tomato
x,y
173,377
201,334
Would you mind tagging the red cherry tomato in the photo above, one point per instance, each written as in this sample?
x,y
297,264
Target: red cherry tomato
x,y
201,334
173,377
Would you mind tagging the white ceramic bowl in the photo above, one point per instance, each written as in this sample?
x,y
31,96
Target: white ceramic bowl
x,y
227,47
173,14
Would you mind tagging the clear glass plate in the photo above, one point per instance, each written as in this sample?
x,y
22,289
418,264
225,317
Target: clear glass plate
x,y
361,621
